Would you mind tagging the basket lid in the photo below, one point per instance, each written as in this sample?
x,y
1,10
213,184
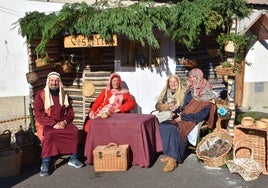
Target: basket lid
x,y
88,89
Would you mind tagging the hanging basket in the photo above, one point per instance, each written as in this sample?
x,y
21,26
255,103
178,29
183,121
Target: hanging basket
x,y
229,47
32,77
224,71
189,63
42,61
67,67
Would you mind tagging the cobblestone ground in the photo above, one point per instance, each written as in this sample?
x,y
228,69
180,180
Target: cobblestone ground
x,y
14,112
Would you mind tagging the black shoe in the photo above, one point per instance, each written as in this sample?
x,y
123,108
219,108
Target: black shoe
x,y
45,169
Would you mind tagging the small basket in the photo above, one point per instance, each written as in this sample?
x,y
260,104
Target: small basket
x,y
247,121
10,162
42,61
261,124
31,77
67,67
218,160
5,139
248,168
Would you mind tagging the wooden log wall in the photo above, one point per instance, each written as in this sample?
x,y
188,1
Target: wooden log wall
x,y
205,61
87,63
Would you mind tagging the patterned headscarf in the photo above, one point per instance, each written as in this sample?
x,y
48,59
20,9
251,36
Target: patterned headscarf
x,y
63,97
201,87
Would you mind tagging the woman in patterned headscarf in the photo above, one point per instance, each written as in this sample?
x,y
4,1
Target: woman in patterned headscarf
x,y
197,107
112,99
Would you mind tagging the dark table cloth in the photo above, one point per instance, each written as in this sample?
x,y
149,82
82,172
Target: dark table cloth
x,y
140,131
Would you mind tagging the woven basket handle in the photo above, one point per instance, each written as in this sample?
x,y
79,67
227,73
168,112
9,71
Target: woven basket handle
x,y
6,132
45,56
111,145
250,148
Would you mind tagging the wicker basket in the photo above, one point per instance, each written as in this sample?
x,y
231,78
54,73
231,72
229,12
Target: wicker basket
x,y
248,168
88,89
217,160
261,124
42,61
31,77
224,71
67,67
5,139
247,121
10,162
111,157
259,138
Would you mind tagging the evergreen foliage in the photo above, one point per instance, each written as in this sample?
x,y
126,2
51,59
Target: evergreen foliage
x,y
183,21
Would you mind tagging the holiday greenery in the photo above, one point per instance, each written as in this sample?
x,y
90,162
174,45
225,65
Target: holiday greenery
x,y
184,21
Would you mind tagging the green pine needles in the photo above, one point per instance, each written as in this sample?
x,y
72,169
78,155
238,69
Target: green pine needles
x,y
183,21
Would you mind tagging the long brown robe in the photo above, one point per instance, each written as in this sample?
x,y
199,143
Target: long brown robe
x,y
55,141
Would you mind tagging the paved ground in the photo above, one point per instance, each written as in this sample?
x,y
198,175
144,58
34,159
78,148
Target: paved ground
x,y
188,175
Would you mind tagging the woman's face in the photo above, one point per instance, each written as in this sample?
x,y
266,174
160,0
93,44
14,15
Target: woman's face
x,y
173,84
191,79
115,83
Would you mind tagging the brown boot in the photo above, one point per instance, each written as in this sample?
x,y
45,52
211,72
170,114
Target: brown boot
x,y
171,165
164,159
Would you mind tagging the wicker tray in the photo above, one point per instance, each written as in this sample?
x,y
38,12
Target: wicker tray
x,y
215,161
259,138
248,168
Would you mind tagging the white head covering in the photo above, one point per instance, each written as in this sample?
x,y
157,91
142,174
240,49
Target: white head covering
x,y
63,97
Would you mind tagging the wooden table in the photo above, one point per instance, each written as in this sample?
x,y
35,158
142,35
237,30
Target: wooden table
x,y
140,131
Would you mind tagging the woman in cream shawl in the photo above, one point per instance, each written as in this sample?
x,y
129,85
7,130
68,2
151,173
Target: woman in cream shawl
x,y
170,98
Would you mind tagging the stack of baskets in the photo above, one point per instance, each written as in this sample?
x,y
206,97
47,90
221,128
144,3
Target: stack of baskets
x,y
10,158
215,147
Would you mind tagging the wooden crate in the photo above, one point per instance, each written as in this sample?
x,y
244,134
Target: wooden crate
x,y
258,137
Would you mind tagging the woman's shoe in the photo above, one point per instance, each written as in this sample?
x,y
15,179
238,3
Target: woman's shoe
x,y
164,159
171,165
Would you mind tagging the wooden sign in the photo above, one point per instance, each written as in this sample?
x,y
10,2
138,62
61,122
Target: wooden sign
x,y
80,41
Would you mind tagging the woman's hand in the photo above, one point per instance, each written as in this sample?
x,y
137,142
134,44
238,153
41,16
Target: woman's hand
x,y
172,107
91,115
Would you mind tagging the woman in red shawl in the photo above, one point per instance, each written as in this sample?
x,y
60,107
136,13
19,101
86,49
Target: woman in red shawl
x,y
112,99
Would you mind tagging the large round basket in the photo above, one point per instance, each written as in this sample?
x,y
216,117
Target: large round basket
x,y
10,162
218,160
88,89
